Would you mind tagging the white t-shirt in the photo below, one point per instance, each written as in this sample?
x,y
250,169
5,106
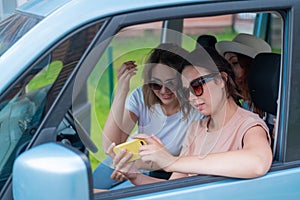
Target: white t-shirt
x,y
170,129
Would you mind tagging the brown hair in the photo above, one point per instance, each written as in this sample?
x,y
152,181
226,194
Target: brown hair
x,y
213,62
168,54
245,63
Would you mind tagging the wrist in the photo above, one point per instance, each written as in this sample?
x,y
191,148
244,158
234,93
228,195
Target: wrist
x,y
121,92
171,166
135,179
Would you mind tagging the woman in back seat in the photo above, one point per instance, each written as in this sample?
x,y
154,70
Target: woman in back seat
x,y
240,53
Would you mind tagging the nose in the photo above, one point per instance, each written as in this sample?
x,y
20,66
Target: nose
x,y
164,89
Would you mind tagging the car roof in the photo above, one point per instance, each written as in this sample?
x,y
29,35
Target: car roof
x,y
60,17
95,7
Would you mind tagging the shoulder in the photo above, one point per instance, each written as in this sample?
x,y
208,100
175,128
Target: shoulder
x,y
250,120
137,94
137,91
249,117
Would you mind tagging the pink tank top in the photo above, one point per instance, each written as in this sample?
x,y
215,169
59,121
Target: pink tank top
x,y
200,142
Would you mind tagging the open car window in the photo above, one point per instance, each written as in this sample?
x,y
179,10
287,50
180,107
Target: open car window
x,y
135,43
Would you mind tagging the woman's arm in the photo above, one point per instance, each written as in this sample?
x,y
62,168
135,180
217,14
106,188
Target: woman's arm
x,y
120,121
253,160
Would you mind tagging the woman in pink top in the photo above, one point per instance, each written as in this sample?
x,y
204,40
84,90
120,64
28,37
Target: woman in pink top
x,y
231,141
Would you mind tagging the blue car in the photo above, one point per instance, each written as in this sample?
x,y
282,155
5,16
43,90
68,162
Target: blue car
x,y
57,80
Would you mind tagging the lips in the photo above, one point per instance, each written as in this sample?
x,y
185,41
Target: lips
x,y
166,96
200,106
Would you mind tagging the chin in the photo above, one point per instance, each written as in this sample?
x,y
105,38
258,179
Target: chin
x,y
167,101
204,113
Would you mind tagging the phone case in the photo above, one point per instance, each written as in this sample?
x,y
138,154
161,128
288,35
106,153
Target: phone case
x,y
131,146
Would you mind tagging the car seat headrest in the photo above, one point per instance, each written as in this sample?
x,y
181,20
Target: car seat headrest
x,y
206,41
263,81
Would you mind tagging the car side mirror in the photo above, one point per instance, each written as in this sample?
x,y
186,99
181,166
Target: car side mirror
x,y
52,171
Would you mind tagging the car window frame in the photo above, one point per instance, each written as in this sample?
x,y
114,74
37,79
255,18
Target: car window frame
x,y
289,138
283,161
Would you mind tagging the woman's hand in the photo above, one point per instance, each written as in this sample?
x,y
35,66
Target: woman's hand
x,y
126,71
123,168
110,151
155,152
119,161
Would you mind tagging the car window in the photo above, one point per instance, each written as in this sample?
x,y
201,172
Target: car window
x,y
26,103
21,113
130,43
135,42
13,28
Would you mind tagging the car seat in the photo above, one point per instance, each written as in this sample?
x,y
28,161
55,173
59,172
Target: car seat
x,y
206,41
263,82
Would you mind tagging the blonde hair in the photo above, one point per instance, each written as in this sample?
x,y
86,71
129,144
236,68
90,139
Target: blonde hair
x,y
168,54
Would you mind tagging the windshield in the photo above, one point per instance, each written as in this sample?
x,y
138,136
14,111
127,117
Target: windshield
x,y
13,28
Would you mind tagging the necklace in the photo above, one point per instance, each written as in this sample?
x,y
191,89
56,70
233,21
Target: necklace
x,y
203,155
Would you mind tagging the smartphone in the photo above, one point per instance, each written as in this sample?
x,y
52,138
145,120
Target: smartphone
x,y
131,146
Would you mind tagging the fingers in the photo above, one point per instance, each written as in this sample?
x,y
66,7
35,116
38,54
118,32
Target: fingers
x,y
156,139
121,160
130,67
127,65
110,151
127,74
130,64
118,176
141,136
118,157
149,139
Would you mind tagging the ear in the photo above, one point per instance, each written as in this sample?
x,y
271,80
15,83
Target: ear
x,y
224,77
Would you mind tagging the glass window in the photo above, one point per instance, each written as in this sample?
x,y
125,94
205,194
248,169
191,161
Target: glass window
x,y
26,103
130,43
13,28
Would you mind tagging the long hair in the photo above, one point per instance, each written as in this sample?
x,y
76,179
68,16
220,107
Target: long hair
x,y
168,54
245,63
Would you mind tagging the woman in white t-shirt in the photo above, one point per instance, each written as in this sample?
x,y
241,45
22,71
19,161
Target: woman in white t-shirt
x,y
154,107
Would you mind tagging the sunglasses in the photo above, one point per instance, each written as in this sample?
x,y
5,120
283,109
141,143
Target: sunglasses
x,y
196,85
170,85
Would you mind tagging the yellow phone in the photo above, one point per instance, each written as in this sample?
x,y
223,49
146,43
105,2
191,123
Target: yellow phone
x,y
131,146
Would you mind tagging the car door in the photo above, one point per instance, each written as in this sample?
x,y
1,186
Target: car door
x,y
285,164
85,66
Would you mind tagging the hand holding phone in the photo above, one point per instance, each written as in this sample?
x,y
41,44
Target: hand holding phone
x,y
132,147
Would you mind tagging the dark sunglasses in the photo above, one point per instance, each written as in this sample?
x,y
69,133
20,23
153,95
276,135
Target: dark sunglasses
x,y
170,85
196,85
